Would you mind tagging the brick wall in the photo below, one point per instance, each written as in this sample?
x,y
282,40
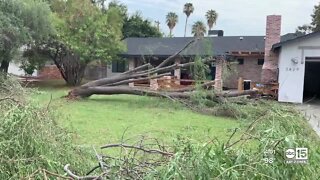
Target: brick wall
x,y
249,70
50,72
270,67
218,80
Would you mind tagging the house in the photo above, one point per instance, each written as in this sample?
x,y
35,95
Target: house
x,y
291,60
14,69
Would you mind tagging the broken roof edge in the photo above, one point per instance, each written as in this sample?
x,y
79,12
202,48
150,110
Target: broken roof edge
x,y
299,38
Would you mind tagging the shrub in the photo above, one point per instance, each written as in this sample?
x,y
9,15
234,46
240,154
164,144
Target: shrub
x,y
30,138
272,128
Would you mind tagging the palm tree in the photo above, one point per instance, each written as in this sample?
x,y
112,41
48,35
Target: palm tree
x,y
188,10
212,17
199,29
172,20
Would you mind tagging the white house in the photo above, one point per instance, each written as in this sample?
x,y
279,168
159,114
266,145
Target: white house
x,y
299,68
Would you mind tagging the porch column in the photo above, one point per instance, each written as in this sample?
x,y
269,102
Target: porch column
x,y
131,62
177,72
218,80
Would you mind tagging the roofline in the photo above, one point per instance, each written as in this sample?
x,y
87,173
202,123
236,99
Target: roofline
x,y
278,45
166,56
188,37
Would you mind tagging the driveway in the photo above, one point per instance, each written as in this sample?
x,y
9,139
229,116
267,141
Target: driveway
x,y
311,110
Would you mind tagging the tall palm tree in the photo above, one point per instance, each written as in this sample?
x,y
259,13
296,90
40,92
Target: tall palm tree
x,y
172,20
188,10
199,29
212,17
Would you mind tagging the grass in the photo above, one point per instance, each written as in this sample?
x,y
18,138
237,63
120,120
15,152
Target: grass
x,y
104,119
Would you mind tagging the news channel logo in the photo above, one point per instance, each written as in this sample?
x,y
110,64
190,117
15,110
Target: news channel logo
x,y
296,155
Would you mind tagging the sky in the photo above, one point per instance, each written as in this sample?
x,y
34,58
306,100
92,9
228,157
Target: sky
x,y
236,17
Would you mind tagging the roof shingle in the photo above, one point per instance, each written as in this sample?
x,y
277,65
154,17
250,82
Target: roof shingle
x,y
205,46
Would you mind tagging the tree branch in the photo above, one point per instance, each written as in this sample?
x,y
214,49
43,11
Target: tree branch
x,y
139,148
71,174
169,59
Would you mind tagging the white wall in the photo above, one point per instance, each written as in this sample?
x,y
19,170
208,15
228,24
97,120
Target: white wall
x,y
15,70
291,75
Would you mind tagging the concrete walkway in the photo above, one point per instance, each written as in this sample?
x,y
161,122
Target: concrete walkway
x,y
311,110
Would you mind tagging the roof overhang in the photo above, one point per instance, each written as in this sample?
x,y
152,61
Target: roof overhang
x,y
298,39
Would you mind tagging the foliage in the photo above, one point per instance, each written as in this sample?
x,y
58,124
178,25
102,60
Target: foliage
x,y
212,17
265,126
172,20
315,24
304,29
199,29
86,32
135,25
188,10
229,69
89,32
31,139
200,71
22,23
316,18
270,127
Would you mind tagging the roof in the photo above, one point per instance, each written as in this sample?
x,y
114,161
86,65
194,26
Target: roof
x,y
205,46
297,38
217,46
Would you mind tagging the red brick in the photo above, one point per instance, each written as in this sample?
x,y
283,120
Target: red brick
x,y
50,72
249,70
273,33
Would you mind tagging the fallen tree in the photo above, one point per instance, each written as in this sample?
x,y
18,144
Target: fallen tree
x,y
115,85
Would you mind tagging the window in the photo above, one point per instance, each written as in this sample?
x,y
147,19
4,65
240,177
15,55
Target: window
x,y
240,61
260,61
119,66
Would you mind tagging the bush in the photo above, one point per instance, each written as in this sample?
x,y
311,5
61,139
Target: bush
x,y
272,128
30,138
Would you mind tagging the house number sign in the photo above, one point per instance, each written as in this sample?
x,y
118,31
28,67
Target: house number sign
x,y
292,69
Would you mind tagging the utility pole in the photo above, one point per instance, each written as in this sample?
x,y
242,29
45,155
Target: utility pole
x,y
158,25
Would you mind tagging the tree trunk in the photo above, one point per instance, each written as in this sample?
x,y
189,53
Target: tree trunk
x,y
71,68
185,27
4,66
111,90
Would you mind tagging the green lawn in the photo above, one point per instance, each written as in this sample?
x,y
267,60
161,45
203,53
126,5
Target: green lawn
x,y
104,119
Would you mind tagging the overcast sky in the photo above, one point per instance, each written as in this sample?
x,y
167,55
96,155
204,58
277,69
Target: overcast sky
x,y
236,17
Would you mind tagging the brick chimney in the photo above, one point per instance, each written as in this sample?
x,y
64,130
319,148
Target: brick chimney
x,y
270,66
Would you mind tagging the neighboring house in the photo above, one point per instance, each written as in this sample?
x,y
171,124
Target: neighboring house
x,y
14,68
292,61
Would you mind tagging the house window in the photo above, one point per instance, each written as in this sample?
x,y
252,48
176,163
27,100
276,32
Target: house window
x,y
240,61
118,66
260,61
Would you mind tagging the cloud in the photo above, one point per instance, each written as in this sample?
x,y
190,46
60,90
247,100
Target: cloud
x,y
236,17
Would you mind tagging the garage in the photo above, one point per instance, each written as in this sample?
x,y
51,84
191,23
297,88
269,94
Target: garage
x,y
299,68
311,88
